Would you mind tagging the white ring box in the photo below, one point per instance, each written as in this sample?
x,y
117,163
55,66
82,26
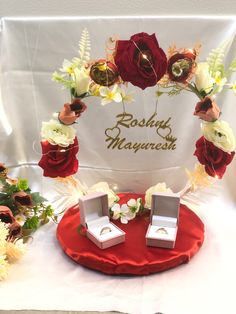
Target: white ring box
x,y
164,216
94,215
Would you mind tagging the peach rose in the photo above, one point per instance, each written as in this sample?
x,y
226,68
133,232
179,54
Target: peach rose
x,y
15,230
207,110
6,215
22,199
71,112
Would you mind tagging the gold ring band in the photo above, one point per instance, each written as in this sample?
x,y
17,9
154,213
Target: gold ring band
x,y
105,230
161,230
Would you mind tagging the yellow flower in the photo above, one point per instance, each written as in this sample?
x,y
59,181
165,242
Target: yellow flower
x,y
159,187
220,134
109,95
4,268
220,81
233,86
68,67
95,90
198,177
14,251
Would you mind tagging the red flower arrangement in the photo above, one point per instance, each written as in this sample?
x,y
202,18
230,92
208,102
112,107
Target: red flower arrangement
x,y
181,65
59,161
213,158
140,60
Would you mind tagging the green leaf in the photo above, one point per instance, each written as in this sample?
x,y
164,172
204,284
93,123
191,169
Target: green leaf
x,y
232,67
216,57
10,189
31,223
49,211
3,196
84,49
22,184
37,198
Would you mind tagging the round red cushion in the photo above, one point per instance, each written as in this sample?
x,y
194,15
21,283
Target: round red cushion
x,y
132,256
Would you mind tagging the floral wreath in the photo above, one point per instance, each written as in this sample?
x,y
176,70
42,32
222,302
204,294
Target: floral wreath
x,y
143,63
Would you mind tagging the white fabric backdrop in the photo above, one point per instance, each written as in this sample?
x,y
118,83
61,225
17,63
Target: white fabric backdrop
x,y
45,278
33,49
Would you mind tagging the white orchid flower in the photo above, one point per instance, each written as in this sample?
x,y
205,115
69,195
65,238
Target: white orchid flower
x,y
126,97
233,86
134,205
123,212
108,95
68,67
220,81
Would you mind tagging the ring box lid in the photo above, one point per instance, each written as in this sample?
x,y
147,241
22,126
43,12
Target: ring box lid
x,y
165,205
92,207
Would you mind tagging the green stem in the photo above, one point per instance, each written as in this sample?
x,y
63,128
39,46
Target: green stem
x,y
195,91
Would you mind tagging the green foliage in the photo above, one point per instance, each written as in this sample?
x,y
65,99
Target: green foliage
x,y
232,67
22,185
40,214
84,49
31,223
37,198
60,78
216,57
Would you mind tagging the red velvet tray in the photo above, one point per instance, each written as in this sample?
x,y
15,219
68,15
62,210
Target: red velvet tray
x,y
133,256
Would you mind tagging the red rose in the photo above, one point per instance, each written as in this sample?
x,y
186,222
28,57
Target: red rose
x,y
180,66
140,60
213,158
59,161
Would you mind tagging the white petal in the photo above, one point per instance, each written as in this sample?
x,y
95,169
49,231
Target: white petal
x,y
104,91
132,202
115,207
105,101
117,97
123,220
124,208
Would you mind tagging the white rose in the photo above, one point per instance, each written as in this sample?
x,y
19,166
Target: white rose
x,y
58,134
82,80
159,187
203,79
220,134
104,187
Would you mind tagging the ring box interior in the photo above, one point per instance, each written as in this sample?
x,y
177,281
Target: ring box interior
x,y
164,218
94,215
